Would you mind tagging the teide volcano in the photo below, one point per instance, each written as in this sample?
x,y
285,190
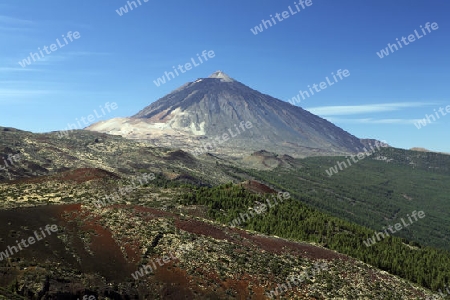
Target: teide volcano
x,y
232,119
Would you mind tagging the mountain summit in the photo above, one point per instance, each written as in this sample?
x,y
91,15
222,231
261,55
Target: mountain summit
x,y
221,75
199,112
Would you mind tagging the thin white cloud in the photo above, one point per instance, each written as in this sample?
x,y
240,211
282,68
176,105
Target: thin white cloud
x,y
18,69
88,53
15,29
373,121
69,55
30,84
363,109
6,20
51,58
22,93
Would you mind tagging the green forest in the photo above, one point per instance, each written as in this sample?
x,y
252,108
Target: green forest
x,y
375,192
295,220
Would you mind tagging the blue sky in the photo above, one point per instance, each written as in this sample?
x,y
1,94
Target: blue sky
x,y
117,58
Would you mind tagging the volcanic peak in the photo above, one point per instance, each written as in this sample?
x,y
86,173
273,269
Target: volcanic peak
x,y
222,76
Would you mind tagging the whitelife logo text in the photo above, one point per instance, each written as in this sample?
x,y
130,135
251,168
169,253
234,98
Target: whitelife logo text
x,y
411,38
53,47
187,67
31,240
281,17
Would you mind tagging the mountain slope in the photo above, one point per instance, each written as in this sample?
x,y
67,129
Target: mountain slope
x,y
76,172
199,111
47,154
377,191
102,252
